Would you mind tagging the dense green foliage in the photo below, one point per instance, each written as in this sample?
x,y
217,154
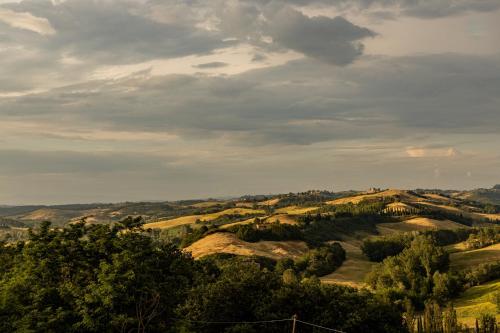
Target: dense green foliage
x,y
245,292
445,237
100,278
322,260
322,228
478,275
92,279
316,262
420,271
416,273
379,248
484,237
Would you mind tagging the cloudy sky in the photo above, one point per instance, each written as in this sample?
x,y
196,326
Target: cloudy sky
x,y
116,100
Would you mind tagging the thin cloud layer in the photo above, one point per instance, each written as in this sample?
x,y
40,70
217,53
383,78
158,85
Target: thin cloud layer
x,y
427,9
26,21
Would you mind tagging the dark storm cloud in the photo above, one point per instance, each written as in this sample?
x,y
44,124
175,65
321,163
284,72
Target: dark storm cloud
x,y
330,40
333,40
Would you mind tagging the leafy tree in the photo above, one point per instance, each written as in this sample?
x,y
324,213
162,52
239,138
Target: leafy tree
x,y
322,260
379,249
245,292
93,278
411,273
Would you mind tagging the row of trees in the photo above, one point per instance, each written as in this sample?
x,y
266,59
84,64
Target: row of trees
x,y
365,207
436,319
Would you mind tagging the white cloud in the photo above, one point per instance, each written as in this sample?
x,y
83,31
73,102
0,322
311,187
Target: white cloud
x,y
26,21
417,152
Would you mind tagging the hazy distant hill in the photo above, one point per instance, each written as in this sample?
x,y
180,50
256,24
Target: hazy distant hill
x,y
484,195
162,211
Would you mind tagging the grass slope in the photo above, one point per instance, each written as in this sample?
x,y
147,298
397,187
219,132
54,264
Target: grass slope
x,y
228,243
282,218
418,224
477,301
353,269
229,225
467,259
403,195
294,210
190,219
206,204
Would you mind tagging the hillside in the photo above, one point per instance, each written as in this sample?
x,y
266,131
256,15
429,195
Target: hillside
x,y
471,258
191,219
418,224
354,269
491,196
391,193
476,301
229,243
291,204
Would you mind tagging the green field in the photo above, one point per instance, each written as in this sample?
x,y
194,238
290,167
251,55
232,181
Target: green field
x,y
477,301
468,259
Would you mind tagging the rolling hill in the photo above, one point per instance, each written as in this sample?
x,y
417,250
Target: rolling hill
x,y
229,243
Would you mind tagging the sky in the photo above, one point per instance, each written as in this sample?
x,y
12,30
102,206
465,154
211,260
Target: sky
x,y
121,100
